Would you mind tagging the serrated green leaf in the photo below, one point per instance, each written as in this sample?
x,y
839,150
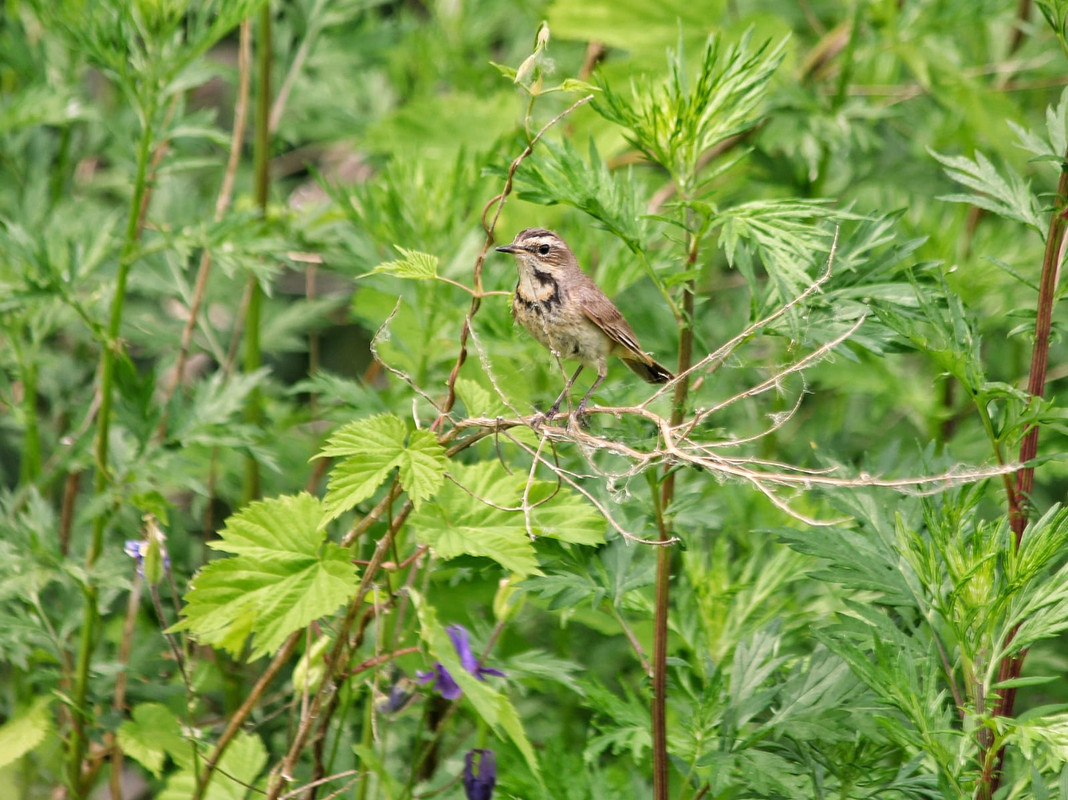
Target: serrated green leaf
x,y
676,120
461,522
415,265
782,234
422,466
478,401
452,531
567,516
383,432
281,578
1009,196
354,480
539,664
151,735
375,446
21,734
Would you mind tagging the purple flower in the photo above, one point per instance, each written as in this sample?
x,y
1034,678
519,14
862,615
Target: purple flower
x,y
444,683
399,695
139,548
480,786
458,634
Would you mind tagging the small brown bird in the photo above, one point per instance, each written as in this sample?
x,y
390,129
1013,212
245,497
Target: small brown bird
x,y
564,310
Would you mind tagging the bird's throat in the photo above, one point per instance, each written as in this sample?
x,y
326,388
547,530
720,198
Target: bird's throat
x,y
537,287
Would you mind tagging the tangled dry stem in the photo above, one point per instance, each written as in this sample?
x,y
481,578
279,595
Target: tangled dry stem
x,y
683,444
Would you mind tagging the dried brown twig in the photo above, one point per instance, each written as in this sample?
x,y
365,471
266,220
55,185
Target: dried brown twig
x,y
682,444
489,227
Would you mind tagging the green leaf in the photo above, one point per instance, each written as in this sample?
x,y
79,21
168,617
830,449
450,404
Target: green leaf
x,y
353,481
1010,196
559,174
457,526
238,769
382,432
370,760
422,466
565,515
485,517
414,266
478,401
575,85
375,446
150,735
676,120
22,733
782,235
640,27
542,665
281,578
505,70
436,124
494,707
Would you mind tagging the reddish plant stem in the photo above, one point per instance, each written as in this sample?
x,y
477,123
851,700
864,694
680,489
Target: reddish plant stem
x,y
283,770
1020,496
661,763
222,203
233,727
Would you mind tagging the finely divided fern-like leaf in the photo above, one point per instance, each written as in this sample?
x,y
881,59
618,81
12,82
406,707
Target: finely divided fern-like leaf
x,y
1010,196
414,266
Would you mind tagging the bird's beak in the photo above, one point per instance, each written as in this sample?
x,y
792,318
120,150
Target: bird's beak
x,y
507,248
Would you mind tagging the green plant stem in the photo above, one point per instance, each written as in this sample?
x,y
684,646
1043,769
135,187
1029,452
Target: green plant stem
x,y
661,784
61,169
30,465
261,167
112,348
1020,498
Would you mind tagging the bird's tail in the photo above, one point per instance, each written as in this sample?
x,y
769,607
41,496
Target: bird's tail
x,y
648,370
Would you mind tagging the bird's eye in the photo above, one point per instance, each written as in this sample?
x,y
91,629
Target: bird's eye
x,y
544,249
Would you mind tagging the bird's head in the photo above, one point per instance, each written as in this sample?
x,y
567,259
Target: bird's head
x,y
541,250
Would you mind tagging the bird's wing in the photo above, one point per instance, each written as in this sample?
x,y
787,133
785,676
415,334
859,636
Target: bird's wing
x,y
603,313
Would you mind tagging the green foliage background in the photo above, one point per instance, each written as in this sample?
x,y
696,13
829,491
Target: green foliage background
x,y
345,461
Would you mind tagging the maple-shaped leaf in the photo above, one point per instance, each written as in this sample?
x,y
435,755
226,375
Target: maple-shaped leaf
x,y
281,577
371,449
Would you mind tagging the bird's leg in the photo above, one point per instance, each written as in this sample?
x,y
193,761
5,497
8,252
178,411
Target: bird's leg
x,y
580,412
563,394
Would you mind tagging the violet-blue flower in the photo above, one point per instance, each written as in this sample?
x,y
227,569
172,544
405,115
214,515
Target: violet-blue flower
x,y
458,634
138,549
444,683
480,786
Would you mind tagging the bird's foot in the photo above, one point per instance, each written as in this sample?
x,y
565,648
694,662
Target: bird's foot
x,y
548,416
580,419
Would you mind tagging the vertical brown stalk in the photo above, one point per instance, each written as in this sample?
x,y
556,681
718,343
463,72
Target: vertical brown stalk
x,y
1020,495
661,764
